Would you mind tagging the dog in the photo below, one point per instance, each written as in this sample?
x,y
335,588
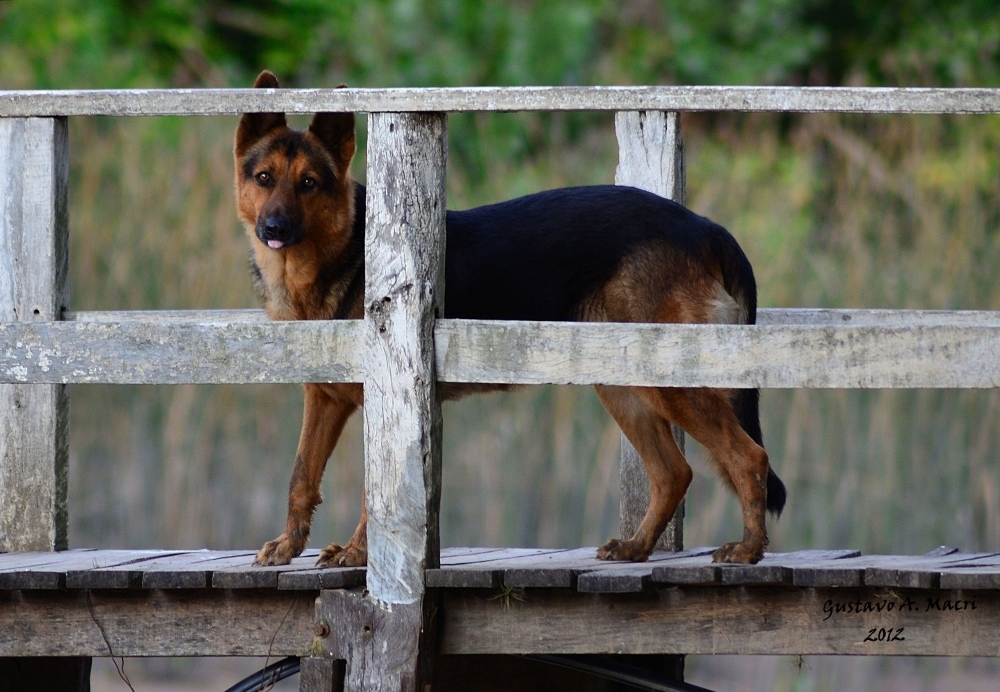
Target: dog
x,y
600,253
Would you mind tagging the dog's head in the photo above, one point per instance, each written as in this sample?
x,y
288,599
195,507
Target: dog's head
x,y
293,187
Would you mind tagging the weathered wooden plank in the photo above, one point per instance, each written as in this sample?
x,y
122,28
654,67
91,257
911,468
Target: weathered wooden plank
x,y
776,620
651,158
139,622
238,347
732,356
474,578
634,98
977,571
551,570
630,577
775,568
461,556
176,352
10,561
167,570
778,568
34,180
117,574
327,578
53,573
191,570
321,674
241,573
765,316
498,555
404,293
632,580
826,317
915,572
488,570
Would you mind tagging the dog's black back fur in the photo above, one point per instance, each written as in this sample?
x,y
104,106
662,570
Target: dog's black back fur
x,y
532,258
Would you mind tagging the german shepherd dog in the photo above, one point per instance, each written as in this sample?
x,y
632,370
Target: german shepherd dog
x,y
601,254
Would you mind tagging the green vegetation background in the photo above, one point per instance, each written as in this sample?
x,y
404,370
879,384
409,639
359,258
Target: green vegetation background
x,y
840,211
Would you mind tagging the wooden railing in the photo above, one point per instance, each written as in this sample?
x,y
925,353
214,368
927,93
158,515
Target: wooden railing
x,y
400,350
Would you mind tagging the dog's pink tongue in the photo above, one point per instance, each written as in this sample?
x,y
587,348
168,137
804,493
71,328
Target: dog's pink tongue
x,y
275,244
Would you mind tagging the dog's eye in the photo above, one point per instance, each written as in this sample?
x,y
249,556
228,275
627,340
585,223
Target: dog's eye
x,y
308,183
263,177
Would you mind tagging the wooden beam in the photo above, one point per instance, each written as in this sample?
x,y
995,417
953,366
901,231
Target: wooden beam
x,y
404,281
788,348
733,356
179,351
610,98
321,674
34,180
725,620
196,622
650,157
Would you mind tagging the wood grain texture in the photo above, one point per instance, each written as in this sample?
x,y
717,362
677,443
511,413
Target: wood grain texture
x,y
727,356
321,674
404,260
404,282
34,179
771,620
378,644
635,98
202,622
651,153
651,158
179,351
241,346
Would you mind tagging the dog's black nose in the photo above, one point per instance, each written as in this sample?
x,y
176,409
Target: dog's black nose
x,y
276,226
278,230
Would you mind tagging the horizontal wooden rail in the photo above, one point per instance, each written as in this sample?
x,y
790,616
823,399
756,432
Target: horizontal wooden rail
x,y
789,348
97,348
638,98
684,355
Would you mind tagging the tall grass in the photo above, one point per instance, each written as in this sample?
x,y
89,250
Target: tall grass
x,y
832,210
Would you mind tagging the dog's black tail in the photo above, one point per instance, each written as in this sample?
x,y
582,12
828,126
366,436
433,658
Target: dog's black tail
x,y
747,409
739,282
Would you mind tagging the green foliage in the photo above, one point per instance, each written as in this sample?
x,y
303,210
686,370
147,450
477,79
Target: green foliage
x,y
104,43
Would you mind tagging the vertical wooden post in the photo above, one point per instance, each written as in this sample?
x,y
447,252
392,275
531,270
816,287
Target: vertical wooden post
x,y
321,674
34,181
650,157
386,641
34,419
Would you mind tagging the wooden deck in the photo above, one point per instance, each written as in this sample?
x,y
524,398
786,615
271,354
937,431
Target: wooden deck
x,y
509,601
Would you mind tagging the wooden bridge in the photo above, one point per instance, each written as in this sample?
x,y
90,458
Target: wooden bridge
x,y
379,629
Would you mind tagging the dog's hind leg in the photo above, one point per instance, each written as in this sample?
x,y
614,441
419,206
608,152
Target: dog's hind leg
x,y
326,410
708,416
668,471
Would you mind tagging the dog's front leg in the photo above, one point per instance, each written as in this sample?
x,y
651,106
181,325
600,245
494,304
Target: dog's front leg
x,y
327,408
355,553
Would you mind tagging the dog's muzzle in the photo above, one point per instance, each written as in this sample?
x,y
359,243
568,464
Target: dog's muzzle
x,y
278,231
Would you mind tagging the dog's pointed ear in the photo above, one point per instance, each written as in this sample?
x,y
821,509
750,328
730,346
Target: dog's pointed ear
x,y
336,132
253,126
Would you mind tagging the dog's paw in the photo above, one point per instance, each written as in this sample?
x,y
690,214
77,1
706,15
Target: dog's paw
x,y
625,550
347,556
280,551
738,553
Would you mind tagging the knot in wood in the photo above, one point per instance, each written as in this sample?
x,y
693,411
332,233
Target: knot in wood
x,y
378,313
